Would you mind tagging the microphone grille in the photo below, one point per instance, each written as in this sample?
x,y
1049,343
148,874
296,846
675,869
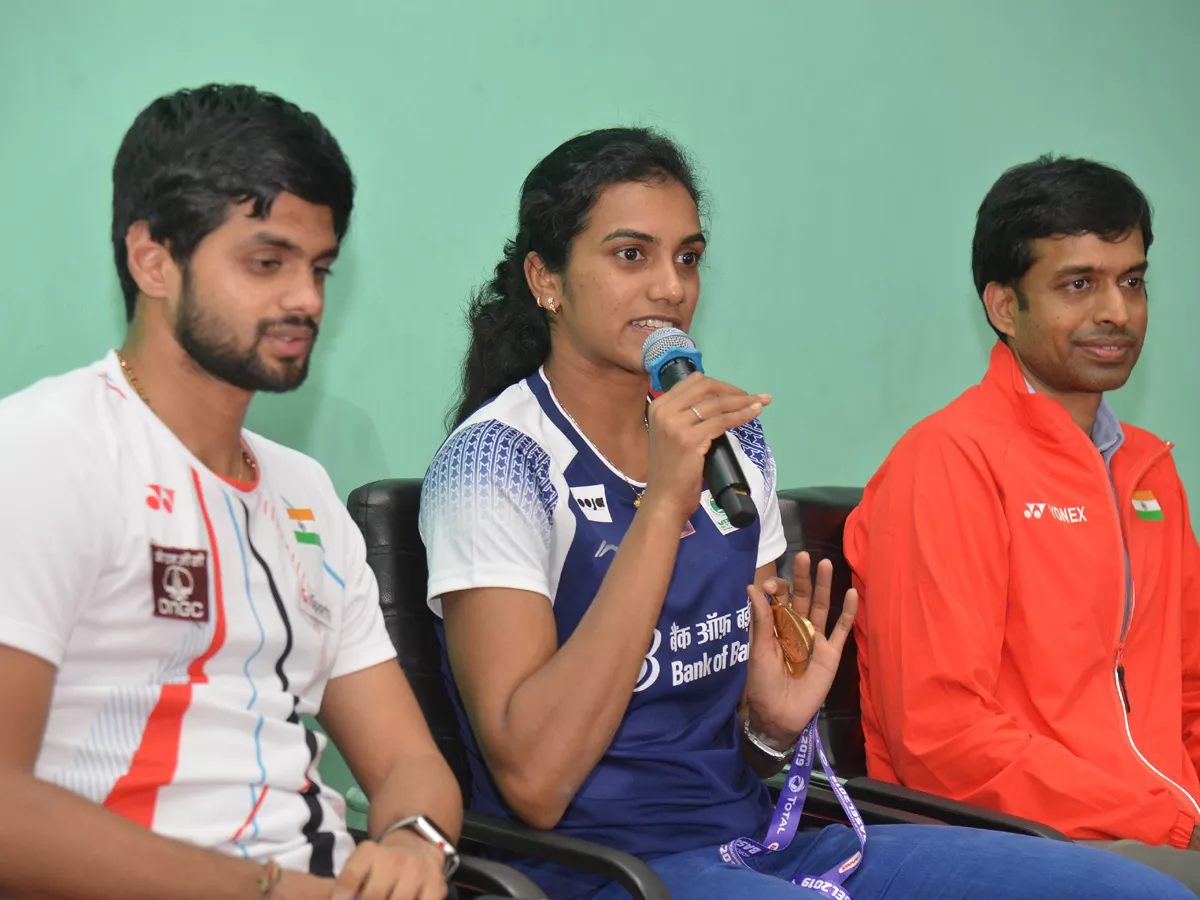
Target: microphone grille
x,y
662,340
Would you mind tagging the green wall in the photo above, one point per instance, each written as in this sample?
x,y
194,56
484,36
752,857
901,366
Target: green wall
x,y
846,147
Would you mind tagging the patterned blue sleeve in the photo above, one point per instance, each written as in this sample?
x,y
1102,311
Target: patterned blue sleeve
x,y
754,445
771,540
487,511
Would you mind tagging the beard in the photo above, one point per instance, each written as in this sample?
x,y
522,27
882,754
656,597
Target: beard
x,y
213,347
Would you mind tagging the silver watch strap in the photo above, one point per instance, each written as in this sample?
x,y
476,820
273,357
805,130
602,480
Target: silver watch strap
x,y
426,829
763,747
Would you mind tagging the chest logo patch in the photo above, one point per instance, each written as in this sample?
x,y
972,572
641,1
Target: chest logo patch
x,y
718,516
1146,506
179,583
592,502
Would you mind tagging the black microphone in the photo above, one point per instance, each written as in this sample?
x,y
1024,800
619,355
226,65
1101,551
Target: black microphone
x,y
669,356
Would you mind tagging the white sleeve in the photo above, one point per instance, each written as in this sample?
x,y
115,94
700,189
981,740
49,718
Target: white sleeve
x,y
57,505
771,540
756,450
364,640
487,512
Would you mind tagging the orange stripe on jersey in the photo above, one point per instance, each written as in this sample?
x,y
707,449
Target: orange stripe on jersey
x,y
135,794
253,813
300,515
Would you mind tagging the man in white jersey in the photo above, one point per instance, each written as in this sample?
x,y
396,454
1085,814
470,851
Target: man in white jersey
x,y
177,592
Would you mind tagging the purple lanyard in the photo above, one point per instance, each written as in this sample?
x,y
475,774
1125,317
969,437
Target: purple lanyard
x,y
786,819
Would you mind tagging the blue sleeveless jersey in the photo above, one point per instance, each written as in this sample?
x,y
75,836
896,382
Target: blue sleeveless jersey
x,y
518,497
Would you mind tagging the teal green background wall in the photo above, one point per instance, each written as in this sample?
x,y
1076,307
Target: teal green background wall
x,y
845,146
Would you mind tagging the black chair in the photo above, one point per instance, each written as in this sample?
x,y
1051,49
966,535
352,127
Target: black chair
x,y
814,520
387,511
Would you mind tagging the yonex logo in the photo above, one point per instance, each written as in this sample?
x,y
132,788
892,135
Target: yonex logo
x,y
1068,514
795,784
160,497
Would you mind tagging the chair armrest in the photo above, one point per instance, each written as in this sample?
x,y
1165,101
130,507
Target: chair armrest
x,y
489,877
631,873
822,803
951,812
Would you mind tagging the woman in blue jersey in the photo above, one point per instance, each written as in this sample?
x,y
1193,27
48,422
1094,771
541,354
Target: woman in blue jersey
x,y
612,680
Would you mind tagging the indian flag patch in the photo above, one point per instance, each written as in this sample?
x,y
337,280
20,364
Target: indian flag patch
x,y
1146,506
304,534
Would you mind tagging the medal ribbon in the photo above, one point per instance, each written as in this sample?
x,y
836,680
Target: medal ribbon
x,y
786,820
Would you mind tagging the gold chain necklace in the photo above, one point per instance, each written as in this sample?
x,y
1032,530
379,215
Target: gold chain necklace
x,y
637,495
247,459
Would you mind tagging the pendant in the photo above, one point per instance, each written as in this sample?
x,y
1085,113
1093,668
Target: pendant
x,y
637,501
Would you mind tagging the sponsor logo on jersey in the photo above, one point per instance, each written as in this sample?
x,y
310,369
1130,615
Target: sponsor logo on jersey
x,y
1069,514
650,667
179,583
605,548
160,498
718,516
592,502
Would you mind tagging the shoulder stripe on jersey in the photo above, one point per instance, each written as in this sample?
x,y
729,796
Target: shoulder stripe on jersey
x,y
321,860
135,795
255,797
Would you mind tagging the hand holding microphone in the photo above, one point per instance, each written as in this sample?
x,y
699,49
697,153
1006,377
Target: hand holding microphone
x,y
687,429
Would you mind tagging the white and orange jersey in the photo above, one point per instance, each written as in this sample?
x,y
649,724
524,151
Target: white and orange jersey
x,y
192,620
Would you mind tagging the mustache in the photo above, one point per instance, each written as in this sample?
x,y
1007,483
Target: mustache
x,y
267,325
1107,333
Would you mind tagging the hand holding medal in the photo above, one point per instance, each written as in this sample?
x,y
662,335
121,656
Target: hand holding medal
x,y
791,669
792,663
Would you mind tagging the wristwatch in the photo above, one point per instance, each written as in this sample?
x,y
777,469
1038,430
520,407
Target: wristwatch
x,y
428,830
762,746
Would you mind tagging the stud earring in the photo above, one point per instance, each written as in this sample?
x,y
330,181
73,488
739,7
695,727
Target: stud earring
x,y
550,305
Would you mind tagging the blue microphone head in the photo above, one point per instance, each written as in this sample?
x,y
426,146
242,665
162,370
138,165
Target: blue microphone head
x,y
664,345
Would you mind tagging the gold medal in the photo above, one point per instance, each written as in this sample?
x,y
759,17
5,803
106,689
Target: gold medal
x,y
795,635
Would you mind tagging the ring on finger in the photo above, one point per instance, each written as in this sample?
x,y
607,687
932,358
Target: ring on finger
x,y
697,412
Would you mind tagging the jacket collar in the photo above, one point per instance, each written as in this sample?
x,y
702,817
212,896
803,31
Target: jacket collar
x,y
1043,415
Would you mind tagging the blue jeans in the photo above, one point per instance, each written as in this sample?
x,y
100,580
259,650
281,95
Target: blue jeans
x,y
930,862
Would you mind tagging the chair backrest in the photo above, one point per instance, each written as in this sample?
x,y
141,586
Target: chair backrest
x,y
814,520
387,513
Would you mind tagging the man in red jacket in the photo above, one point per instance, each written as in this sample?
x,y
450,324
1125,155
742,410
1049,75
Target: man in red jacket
x,y
1029,633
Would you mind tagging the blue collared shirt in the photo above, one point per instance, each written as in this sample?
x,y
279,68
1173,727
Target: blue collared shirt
x,y
1106,430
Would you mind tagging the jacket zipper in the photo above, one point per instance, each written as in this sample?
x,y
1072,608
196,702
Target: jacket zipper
x,y
1127,620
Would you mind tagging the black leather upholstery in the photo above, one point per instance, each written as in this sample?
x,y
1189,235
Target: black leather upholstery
x,y
386,512
813,520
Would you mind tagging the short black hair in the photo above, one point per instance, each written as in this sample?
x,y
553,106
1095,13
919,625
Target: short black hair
x,y
191,155
1051,196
